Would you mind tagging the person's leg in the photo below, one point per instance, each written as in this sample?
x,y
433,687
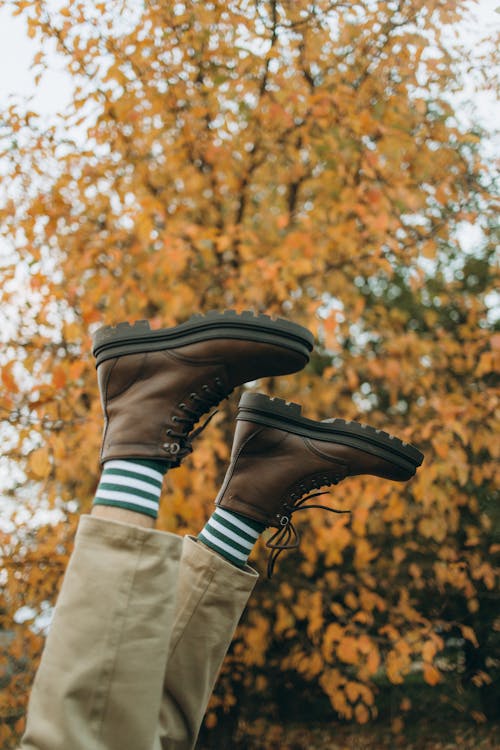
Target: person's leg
x,y
277,457
131,623
100,679
211,596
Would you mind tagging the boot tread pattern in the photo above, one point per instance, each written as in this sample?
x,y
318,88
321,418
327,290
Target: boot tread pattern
x,y
275,412
127,338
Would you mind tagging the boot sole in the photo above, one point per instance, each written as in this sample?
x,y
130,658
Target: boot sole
x,y
116,341
275,412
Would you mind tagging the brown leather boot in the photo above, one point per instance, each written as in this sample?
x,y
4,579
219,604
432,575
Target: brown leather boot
x,y
278,456
156,384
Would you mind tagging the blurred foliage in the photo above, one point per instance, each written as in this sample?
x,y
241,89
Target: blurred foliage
x,y
259,735
301,159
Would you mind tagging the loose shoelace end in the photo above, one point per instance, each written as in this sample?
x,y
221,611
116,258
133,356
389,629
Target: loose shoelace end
x,y
287,537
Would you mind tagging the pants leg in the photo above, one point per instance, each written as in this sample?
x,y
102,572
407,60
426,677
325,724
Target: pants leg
x,y
99,683
211,596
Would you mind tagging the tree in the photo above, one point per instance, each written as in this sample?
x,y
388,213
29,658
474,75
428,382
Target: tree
x,y
298,158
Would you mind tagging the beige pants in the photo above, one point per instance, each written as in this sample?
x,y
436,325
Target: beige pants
x,y
143,621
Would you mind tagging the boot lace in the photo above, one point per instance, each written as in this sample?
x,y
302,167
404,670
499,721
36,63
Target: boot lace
x,y
200,402
287,537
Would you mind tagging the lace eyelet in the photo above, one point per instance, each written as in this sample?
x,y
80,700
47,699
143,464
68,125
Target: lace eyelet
x,y
181,406
172,448
174,419
169,432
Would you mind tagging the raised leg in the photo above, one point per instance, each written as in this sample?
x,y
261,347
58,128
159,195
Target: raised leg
x,y
211,596
99,684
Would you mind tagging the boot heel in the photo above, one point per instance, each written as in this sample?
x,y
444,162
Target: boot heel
x,y
109,334
250,403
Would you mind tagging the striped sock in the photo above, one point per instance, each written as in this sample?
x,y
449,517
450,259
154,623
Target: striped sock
x,y
231,535
133,484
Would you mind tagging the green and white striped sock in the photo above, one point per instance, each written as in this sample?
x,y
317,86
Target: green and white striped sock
x,y
133,484
231,535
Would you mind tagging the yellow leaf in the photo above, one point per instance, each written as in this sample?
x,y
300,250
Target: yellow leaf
x,y
361,713
428,651
373,661
39,463
351,600
353,691
347,650
364,554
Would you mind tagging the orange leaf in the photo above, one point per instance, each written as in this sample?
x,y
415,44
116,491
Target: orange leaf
x,y
431,675
39,463
428,651
353,691
59,377
361,713
8,378
373,661
347,650
469,634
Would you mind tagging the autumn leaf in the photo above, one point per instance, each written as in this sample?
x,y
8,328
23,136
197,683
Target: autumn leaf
x,y
347,650
468,634
8,379
39,463
431,675
328,180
